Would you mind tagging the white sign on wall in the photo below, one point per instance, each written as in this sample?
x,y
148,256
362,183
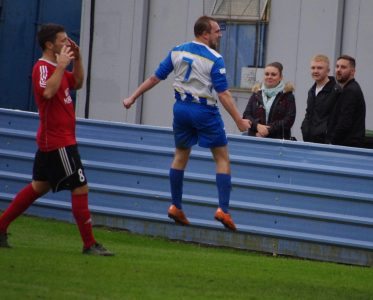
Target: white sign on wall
x,y
250,76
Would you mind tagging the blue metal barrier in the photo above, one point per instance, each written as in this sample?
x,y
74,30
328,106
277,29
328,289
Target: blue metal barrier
x,y
289,198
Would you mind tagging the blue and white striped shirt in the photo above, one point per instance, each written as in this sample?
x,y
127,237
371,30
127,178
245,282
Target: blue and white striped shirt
x,y
199,70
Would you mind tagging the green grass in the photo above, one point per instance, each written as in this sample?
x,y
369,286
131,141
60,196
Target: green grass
x,y
46,263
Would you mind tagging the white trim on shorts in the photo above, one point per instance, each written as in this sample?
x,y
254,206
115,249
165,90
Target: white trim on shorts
x,y
65,161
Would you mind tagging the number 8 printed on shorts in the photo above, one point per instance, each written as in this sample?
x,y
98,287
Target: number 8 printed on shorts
x,y
81,175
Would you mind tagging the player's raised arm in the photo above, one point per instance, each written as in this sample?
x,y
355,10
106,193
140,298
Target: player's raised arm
x,y
78,70
63,59
145,86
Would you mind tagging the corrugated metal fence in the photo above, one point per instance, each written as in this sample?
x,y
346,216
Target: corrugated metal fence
x,y
288,198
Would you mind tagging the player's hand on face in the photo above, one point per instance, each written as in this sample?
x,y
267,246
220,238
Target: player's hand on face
x,y
65,56
74,48
127,103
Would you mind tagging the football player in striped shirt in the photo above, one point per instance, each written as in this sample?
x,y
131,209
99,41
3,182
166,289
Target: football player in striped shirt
x,y
200,79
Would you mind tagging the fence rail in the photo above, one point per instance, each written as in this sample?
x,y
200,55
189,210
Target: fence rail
x,y
288,198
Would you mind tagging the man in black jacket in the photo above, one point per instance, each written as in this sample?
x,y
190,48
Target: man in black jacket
x,y
347,122
320,102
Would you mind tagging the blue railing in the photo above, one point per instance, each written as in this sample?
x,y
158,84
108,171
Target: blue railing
x,y
290,198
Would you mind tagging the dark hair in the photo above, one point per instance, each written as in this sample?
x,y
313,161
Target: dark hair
x,y
349,58
203,24
276,65
48,33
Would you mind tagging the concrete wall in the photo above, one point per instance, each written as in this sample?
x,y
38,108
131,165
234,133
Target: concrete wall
x,y
132,37
118,53
170,23
357,41
297,31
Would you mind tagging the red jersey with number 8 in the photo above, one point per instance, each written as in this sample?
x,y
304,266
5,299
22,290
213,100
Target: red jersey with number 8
x,y
57,115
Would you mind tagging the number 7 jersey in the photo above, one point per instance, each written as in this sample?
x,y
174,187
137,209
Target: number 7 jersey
x,y
199,70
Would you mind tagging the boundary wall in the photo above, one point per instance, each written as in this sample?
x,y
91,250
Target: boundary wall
x,y
288,198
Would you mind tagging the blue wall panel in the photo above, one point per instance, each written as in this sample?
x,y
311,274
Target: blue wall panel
x,y
17,41
19,21
289,198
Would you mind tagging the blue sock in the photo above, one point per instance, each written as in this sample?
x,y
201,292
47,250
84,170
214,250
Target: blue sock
x,y
223,182
176,181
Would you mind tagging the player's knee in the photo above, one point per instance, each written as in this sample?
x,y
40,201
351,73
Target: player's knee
x,y
41,187
80,190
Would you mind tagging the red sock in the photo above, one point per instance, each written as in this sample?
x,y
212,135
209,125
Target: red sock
x,y
83,219
20,203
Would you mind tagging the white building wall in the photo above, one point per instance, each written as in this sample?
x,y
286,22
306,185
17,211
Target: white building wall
x,y
131,37
119,46
170,23
297,31
358,42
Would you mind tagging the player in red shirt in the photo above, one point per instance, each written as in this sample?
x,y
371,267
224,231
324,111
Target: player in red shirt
x,y
57,163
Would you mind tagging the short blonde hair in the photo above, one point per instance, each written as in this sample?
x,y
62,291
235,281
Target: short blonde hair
x,y
321,57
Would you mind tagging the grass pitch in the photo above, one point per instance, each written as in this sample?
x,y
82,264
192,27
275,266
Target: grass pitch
x,y
46,263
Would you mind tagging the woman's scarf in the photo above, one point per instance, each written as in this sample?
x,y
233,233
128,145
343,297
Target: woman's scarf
x,y
269,95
